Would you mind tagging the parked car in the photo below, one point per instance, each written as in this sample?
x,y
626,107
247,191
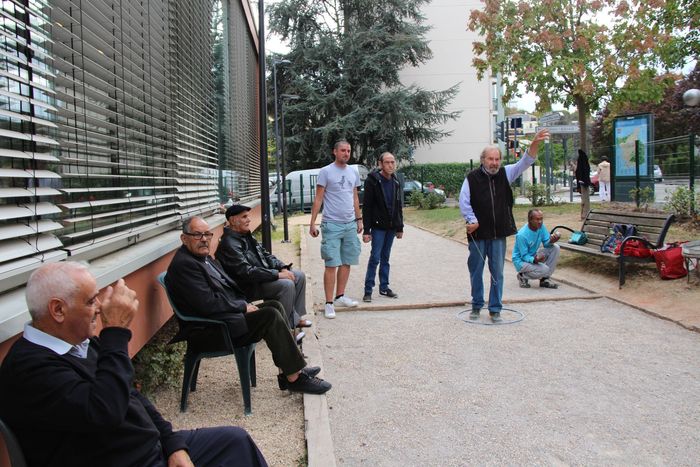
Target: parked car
x,y
410,186
658,176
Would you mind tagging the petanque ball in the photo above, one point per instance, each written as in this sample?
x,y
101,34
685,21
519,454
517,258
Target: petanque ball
x,y
691,97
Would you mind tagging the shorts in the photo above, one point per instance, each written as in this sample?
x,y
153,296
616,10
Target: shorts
x,y
340,244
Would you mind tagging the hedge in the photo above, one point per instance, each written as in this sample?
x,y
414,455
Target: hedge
x,y
447,175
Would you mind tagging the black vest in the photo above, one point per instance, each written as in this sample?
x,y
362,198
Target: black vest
x,y
492,201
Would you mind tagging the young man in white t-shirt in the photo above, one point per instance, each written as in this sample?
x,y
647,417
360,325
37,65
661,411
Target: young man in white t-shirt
x,y
336,189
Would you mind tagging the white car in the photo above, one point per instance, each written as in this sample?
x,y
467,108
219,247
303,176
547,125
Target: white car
x,y
658,176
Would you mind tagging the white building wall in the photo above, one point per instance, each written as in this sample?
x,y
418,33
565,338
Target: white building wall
x,y
451,44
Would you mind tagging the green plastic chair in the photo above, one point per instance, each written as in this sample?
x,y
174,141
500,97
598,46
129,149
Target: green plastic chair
x,y
207,338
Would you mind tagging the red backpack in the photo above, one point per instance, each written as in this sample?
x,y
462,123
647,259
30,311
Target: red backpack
x,y
669,261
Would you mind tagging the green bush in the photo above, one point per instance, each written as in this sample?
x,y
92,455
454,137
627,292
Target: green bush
x,y
426,200
537,194
642,196
448,175
680,203
415,199
159,363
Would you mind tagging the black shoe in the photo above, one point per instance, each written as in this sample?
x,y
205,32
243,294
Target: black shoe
x,y
523,282
299,337
474,315
545,284
496,317
367,297
388,293
309,371
309,385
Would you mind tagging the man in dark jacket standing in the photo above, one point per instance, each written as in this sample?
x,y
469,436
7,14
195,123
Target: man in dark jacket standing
x,y
486,203
383,220
258,272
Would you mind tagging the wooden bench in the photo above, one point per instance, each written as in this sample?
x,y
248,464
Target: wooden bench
x,y
651,230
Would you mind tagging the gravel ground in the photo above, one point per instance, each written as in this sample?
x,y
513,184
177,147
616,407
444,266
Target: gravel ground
x,y
600,384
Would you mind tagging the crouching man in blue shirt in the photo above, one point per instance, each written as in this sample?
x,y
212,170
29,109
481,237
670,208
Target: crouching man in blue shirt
x,y
531,261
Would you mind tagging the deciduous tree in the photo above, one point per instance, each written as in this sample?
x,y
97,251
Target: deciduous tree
x,y
581,52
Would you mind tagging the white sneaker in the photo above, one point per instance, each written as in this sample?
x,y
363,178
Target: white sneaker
x,y
345,302
330,311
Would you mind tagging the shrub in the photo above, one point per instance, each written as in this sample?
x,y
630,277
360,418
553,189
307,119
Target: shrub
x,y
159,363
432,200
642,196
537,194
680,203
415,199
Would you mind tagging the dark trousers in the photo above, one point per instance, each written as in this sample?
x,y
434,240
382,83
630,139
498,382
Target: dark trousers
x,y
269,323
226,446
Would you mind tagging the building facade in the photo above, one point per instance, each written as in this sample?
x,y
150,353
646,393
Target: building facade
x,y
118,119
451,44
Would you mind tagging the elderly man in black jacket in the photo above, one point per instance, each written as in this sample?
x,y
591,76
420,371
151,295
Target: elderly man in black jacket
x,y
69,397
382,210
259,273
198,285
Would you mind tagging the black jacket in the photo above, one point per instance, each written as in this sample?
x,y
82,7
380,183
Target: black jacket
x,y
247,265
375,213
67,410
196,292
491,199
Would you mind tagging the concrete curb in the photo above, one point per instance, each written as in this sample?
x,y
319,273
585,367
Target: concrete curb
x,y
319,443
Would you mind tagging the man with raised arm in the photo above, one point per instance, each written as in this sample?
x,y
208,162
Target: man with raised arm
x,y
486,203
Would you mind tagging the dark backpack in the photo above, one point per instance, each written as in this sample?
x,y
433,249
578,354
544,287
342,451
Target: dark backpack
x,y
618,232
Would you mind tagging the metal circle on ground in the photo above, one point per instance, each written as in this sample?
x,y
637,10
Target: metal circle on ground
x,y
508,316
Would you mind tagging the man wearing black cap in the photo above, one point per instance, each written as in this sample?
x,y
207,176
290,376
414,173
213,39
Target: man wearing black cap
x,y
198,285
259,273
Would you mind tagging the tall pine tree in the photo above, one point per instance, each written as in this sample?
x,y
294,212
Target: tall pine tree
x,y
345,61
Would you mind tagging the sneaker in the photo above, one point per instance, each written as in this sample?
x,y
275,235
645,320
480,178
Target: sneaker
x,y
308,384
545,284
388,293
496,317
367,297
309,371
344,302
329,312
474,315
523,282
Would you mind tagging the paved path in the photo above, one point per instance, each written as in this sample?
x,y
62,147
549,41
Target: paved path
x,y
581,380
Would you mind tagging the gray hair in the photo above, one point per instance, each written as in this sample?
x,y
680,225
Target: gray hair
x,y
187,222
489,148
381,158
52,280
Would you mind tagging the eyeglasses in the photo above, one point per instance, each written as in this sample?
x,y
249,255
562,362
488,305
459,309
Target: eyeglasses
x,y
200,235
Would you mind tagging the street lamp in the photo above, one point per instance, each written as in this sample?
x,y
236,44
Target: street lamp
x,y
691,98
277,130
290,97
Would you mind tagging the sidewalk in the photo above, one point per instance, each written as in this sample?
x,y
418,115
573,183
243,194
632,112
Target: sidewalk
x,y
583,379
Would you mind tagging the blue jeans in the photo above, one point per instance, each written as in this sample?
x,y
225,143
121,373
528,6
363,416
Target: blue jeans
x,y
495,251
382,240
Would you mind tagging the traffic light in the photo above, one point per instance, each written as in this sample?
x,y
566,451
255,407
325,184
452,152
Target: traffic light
x,y
501,131
513,144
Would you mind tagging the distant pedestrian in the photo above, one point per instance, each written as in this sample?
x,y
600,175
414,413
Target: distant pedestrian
x,y
604,179
531,261
382,210
486,203
583,181
336,190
